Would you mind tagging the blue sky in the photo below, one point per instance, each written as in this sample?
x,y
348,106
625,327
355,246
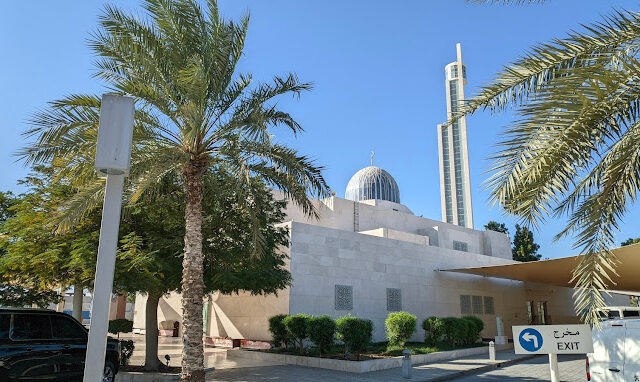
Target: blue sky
x,y
377,68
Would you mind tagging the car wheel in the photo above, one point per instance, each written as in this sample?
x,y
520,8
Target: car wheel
x,y
109,374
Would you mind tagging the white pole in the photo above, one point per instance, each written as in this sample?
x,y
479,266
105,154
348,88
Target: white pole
x,y
96,347
553,367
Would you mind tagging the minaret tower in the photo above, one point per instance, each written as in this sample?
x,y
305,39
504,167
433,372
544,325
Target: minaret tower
x,y
455,186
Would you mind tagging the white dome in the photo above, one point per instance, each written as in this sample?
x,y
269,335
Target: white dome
x,y
372,183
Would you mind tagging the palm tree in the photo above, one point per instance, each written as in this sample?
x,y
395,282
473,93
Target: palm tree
x,y
194,115
574,151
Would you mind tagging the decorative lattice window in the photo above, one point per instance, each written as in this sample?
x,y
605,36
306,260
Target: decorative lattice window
x,y
477,304
465,304
460,246
344,297
394,299
488,305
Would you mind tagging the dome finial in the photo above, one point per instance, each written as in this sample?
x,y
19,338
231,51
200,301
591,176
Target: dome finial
x,y
373,153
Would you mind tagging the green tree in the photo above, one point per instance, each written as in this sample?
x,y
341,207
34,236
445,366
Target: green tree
x,y
630,241
194,115
149,257
321,330
35,260
7,199
524,248
355,333
297,325
575,150
495,226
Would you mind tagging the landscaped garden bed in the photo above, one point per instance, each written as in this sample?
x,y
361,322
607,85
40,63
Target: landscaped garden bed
x,y
373,351
311,341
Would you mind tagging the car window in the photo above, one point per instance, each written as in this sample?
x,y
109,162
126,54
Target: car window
x,y
613,313
31,327
632,313
5,321
65,327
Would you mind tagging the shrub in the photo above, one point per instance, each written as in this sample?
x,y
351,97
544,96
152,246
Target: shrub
x,y
120,325
433,330
297,328
126,350
400,326
321,330
354,332
455,330
476,326
279,333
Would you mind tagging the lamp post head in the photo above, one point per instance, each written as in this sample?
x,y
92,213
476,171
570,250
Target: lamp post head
x,y
115,133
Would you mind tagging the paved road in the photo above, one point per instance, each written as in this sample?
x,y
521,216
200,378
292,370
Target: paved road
x,y
572,369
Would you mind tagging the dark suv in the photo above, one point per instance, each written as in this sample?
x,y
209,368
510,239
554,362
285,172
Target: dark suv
x,y
38,344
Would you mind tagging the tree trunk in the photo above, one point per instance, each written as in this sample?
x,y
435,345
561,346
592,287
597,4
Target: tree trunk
x,y
151,361
192,277
77,302
60,305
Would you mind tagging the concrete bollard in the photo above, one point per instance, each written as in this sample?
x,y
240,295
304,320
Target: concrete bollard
x,y
406,363
492,351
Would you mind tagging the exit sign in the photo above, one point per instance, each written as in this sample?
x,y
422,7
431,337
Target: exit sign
x,y
552,339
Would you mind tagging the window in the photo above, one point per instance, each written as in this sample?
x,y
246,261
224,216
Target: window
x,y
344,297
488,305
460,246
454,71
530,313
5,322
477,304
542,313
64,327
465,304
631,313
613,314
394,300
31,327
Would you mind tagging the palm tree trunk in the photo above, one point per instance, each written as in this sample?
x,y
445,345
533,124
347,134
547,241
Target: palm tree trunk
x,y
151,361
78,299
192,278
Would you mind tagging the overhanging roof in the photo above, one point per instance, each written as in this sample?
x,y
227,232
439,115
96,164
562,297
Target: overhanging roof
x,y
558,271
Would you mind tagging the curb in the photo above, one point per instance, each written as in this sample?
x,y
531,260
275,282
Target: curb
x,y
480,369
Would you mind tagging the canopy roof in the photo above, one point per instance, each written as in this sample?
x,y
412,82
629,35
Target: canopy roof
x,y
558,271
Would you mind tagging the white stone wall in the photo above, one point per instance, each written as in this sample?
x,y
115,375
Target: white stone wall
x,y
323,257
352,216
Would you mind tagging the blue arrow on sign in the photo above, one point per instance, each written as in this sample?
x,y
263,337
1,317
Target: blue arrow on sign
x,y
530,339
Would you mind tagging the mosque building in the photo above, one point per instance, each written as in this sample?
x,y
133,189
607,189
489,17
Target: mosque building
x,y
368,255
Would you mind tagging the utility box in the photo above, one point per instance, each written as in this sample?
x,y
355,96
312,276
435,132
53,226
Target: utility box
x,y
115,133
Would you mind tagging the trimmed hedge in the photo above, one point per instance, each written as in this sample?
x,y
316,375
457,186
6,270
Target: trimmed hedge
x,y
279,334
461,331
476,326
400,326
120,325
355,333
297,328
433,330
321,331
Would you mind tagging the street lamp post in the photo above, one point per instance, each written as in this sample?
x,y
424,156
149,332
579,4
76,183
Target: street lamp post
x,y
113,152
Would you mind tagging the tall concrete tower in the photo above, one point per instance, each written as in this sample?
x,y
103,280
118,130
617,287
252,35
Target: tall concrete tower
x,y
455,186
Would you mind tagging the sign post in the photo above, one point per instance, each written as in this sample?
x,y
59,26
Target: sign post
x,y
552,340
113,152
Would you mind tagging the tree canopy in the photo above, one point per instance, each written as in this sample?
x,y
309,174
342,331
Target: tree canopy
x,y
630,241
524,248
495,226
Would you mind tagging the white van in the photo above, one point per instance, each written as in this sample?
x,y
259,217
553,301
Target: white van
x,y
614,312
616,351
